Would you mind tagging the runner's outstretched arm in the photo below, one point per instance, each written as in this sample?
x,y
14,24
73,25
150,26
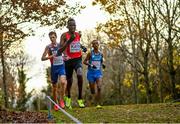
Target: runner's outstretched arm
x,y
84,49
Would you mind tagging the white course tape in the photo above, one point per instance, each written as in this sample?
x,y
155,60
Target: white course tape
x,y
70,116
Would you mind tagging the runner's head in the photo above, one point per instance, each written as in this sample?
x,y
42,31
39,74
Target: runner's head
x,y
95,44
53,36
71,25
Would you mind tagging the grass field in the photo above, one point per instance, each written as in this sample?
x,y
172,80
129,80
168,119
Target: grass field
x,y
141,113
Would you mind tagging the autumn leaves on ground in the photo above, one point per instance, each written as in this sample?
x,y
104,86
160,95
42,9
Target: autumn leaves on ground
x,y
141,113
22,117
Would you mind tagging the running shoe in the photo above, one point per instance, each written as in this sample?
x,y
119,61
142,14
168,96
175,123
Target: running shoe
x,y
80,103
56,107
61,103
65,98
99,107
68,103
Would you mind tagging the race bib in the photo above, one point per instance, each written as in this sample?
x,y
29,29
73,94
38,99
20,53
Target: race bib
x,y
75,47
97,64
58,60
53,52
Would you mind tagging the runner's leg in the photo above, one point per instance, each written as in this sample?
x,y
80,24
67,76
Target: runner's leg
x,y
69,73
98,85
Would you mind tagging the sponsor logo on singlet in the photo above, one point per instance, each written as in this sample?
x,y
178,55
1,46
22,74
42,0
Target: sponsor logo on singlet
x,y
75,47
97,64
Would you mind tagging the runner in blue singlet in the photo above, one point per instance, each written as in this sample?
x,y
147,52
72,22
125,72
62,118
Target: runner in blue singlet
x,y
94,61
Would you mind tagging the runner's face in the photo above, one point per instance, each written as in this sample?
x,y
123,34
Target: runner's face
x,y
95,44
72,26
53,38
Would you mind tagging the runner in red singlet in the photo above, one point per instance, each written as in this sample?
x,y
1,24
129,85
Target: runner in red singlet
x,y
73,60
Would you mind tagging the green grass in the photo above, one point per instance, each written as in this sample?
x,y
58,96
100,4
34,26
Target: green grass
x,y
142,113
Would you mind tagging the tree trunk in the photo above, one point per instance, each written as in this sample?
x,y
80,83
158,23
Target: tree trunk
x,y
38,104
3,72
171,69
119,90
146,80
160,82
119,84
148,90
135,81
171,21
134,69
135,74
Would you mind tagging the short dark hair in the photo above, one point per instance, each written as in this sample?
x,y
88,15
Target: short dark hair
x,y
92,42
70,19
52,32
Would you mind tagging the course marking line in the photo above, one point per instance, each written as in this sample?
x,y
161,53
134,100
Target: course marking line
x,y
66,113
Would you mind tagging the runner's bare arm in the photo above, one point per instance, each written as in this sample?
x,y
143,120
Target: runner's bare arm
x,y
86,60
43,58
64,43
62,39
103,65
84,49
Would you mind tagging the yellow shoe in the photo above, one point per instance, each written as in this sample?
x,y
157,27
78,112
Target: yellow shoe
x,y
80,103
99,107
68,102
